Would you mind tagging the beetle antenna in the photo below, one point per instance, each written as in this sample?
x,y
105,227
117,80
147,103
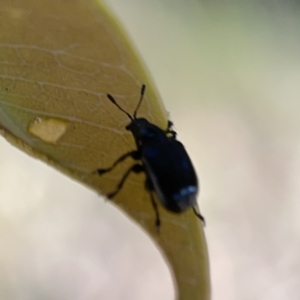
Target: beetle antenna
x,y
140,101
111,98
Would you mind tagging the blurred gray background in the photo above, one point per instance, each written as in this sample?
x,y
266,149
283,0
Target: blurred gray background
x,y
229,75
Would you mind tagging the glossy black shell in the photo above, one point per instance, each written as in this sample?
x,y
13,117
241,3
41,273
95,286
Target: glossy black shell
x,y
167,165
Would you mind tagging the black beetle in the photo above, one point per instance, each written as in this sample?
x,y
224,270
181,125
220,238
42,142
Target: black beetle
x,y
169,170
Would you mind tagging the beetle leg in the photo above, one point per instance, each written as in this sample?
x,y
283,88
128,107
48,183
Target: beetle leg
x,y
150,188
157,220
199,216
148,185
170,124
171,131
137,168
134,154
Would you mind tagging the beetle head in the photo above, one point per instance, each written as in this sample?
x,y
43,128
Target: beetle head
x,y
137,124
142,129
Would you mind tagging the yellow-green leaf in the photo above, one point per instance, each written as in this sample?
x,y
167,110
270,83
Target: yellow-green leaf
x,y
58,59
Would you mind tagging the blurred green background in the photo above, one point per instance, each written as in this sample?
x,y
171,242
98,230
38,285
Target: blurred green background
x,y
229,74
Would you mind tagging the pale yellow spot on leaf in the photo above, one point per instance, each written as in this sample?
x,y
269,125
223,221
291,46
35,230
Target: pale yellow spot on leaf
x,y
48,130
